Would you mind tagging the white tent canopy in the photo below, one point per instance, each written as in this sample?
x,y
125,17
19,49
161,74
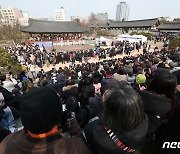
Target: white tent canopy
x,y
143,38
125,35
102,39
131,39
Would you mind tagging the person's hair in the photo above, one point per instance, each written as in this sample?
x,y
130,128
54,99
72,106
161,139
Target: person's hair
x,y
124,110
87,81
121,71
103,89
164,83
44,83
2,78
161,65
23,72
70,82
74,76
96,80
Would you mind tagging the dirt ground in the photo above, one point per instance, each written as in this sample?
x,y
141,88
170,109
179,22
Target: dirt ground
x,y
70,48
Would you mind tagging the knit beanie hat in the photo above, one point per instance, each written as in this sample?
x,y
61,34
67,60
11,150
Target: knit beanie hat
x,y
140,78
41,110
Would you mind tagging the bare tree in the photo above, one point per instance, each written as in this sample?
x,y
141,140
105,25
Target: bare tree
x,y
93,21
12,33
77,21
84,23
92,18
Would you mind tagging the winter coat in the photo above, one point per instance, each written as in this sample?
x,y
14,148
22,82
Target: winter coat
x,y
101,143
157,108
21,143
95,106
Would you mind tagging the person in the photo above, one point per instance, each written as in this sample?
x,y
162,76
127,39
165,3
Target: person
x,y
41,113
9,82
177,74
32,70
9,98
120,75
6,116
159,100
171,133
123,125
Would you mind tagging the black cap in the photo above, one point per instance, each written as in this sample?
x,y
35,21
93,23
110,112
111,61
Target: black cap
x,y
41,110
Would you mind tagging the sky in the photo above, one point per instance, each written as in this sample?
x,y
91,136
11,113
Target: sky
x,y
139,9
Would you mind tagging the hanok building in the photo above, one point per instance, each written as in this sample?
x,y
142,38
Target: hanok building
x,y
59,30
170,27
147,25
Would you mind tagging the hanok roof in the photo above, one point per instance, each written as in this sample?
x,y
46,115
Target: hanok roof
x,y
132,24
169,26
46,27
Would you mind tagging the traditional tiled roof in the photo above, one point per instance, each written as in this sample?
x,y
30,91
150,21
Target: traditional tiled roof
x,y
132,24
40,26
169,26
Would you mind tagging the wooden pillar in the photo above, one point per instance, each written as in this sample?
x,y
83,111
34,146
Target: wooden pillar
x,y
52,39
52,35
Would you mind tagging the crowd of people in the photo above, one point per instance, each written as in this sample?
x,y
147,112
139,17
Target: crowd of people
x,y
32,55
121,105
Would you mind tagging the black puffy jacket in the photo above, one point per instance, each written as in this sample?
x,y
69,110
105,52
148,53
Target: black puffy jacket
x,y
101,143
